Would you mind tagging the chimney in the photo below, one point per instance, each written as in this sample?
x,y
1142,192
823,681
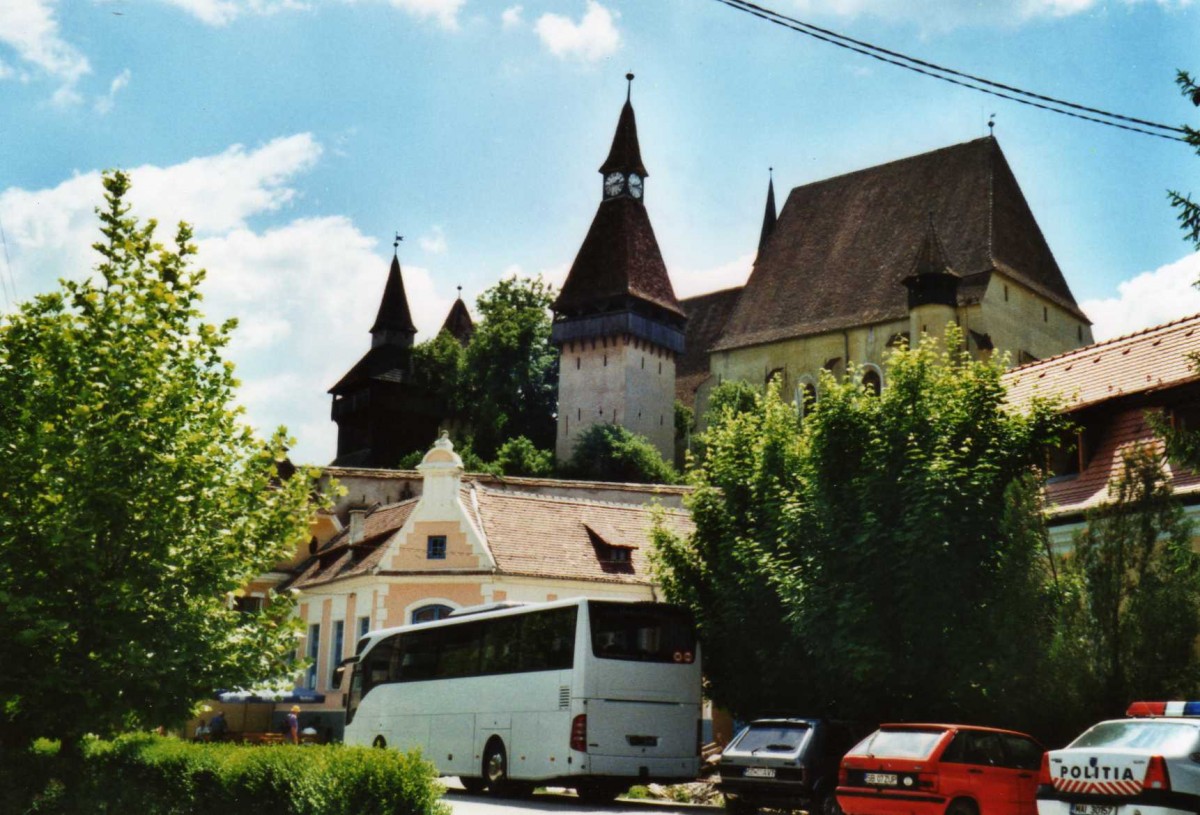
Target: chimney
x,y
358,523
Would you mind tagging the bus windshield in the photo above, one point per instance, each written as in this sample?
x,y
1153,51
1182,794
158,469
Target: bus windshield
x,y
641,632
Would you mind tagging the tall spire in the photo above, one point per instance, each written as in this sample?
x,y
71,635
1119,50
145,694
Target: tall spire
x,y
458,321
769,215
625,155
393,324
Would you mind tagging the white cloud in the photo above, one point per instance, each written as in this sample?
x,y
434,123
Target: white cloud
x,y
1149,299
593,38
714,278
445,12
30,29
104,104
223,12
511,17
305,290
435,242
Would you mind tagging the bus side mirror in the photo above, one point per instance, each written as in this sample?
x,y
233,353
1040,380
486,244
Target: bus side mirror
x,y
340,671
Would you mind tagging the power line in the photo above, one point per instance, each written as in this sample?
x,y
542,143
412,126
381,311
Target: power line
x,y
959,78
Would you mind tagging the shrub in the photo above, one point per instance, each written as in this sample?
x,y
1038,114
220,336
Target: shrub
x,y
151,775
609,452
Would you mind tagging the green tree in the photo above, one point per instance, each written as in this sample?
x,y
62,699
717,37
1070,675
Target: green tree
x,y
511,386
884,558
135,499
1188,210
440,368
1140,583
609,452
519,457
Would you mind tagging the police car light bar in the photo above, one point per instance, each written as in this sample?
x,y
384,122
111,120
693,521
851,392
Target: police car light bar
x,y
1140,709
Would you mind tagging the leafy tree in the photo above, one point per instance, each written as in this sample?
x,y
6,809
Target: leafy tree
x,y
519,457
1140,583
609,452
440,368
511,386
882,558
730,398
1188,210
135,499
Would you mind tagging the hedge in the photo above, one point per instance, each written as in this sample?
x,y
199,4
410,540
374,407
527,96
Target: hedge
x,y
152,775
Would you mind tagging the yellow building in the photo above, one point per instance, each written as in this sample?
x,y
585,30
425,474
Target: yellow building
x,y
861,261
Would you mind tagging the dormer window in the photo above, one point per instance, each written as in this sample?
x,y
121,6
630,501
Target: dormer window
x,y
613,553
435,547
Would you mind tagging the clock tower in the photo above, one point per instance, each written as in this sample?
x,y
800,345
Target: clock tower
x,y
617,323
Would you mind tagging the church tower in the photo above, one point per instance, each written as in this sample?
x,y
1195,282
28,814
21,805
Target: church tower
x,y
381,415
617,323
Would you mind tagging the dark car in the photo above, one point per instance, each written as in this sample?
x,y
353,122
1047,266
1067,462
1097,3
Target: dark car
x,y
786,763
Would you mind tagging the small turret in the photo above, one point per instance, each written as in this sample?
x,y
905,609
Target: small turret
x,y
932,288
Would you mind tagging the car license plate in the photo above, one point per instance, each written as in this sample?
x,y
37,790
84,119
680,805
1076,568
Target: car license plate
x,y
881,779
759,772
1092,809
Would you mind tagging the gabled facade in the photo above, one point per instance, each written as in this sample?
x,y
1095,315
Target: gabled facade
x,y
617,323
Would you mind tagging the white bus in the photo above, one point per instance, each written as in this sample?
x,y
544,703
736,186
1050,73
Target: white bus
x,y
591,694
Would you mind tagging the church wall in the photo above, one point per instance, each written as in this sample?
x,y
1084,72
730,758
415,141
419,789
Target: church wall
x,y
1017,322
650,385
800,360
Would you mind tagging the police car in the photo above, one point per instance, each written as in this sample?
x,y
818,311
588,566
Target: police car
x,y
1148,764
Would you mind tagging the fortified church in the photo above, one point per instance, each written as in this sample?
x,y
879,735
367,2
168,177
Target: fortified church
x,y
850,266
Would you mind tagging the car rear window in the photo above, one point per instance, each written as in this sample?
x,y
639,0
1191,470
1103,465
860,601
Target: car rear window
x,y
773,738
1172,738
898,743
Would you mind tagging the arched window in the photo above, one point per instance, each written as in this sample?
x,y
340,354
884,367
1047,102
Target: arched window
x,y
872,382
427,614
806,396
775,375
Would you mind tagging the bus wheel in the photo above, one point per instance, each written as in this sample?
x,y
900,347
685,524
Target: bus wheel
x,y
598,792
495,768
473,785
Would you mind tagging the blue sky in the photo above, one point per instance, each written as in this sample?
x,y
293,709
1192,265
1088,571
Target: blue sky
x,y
299,134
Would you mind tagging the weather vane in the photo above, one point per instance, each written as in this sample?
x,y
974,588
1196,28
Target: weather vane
x,y
396,243
991,124
629,90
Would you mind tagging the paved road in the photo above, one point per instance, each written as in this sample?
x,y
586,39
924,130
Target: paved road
x,y
566,803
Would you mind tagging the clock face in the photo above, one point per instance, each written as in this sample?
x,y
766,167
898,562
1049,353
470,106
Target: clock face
x,y
635,185
613,184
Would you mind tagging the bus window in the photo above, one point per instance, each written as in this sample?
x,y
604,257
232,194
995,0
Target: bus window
x,y
459,653
419,660
548,640
641,632
502,645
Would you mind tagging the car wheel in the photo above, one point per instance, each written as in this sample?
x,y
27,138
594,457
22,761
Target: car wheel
x,y
961,806
829,805
598,792
472,785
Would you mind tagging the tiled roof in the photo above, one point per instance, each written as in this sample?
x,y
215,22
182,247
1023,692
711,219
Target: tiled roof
x,y
339,559
1145,361
545,536
1088,489
842,246
393,308
384,363
528,535
459,322
707,315
619,258
626,154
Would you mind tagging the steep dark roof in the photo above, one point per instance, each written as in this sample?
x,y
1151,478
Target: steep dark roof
x,y
393,309
707,315
769,216
625,155
459,322
384,363
619,258
842,246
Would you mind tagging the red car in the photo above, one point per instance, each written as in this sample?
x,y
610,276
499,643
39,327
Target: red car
x,y
941,769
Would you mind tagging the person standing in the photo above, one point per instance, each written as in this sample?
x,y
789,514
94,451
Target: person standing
x,y
293,724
